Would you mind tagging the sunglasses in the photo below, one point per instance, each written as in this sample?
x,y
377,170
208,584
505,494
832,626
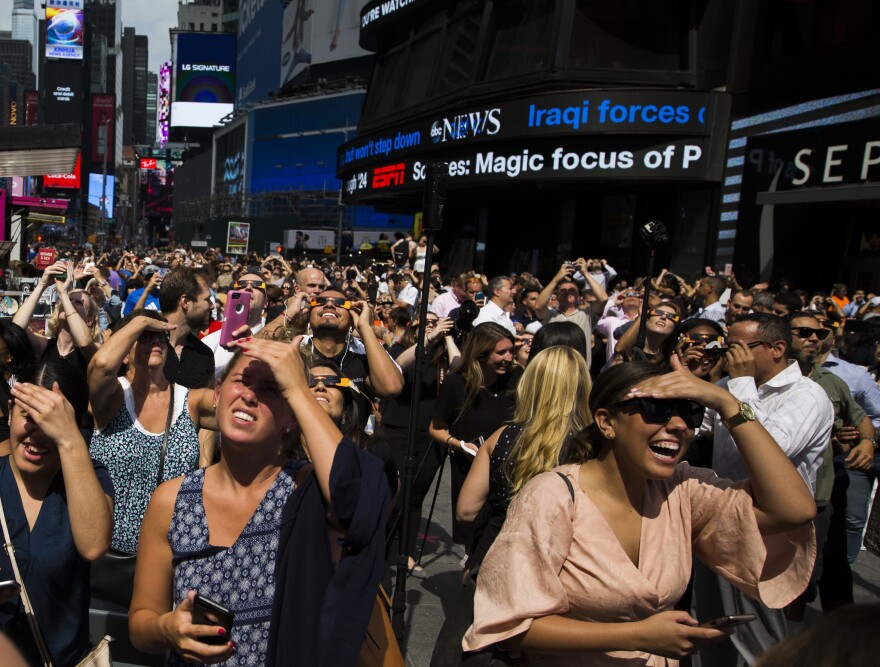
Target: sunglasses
x,y
662,313
329,381
629,294
756,343
660,411
807,332
384,303
255,284
150,336
702,339
338,302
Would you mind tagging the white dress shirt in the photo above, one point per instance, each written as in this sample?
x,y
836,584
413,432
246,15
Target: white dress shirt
x,y
795,411
492,312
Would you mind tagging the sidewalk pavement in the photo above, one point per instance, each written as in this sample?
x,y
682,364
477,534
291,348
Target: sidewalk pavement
x,y
426,598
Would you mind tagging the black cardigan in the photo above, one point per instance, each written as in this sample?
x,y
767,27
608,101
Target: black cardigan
x,y
320,614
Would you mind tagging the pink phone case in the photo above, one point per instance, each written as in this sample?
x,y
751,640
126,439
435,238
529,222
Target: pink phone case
x,y
235,316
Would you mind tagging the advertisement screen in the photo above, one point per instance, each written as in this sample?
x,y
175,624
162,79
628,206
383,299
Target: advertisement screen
x,y
316,32
65,29
229,165
96,192
259,33
164,111
203,89
62,92
64,180
237,238
103,127
157,188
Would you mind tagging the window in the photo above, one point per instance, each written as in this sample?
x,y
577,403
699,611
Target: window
x,y
522,38
633,35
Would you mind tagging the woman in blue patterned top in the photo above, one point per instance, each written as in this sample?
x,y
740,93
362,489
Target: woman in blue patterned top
x,y
216,530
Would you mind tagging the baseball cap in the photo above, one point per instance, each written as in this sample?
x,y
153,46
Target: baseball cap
x,y
875,301
149,270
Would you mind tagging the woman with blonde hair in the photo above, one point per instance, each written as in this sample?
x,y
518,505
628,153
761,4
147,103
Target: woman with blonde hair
x,y
73,328
548,429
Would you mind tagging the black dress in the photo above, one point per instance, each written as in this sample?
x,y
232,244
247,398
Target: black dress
x,y
481,418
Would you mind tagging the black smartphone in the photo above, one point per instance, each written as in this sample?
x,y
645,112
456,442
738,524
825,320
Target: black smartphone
x,y
208,612
728,621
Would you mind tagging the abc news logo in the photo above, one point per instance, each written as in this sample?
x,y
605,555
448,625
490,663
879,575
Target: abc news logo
x,y
466,126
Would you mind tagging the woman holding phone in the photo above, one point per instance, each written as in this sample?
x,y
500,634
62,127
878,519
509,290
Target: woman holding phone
x,y
601,559
472,404
73,328
217,531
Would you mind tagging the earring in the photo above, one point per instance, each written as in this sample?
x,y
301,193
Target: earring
x,y
610,435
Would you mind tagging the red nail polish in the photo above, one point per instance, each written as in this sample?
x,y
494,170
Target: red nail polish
x,y
221,631
233,644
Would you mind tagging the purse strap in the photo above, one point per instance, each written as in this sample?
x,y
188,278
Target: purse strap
x,y
28,608
165,437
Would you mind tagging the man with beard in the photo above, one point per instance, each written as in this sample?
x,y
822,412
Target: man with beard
x,y
333,321
832,571
740,303
185,301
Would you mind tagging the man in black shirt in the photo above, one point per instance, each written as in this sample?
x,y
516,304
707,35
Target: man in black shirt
x,y
185,301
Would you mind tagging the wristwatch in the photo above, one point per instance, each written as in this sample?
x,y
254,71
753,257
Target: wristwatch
x,y
746,414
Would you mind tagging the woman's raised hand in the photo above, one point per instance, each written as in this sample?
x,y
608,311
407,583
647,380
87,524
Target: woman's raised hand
x,y
284,359
186,638
683,384
50,411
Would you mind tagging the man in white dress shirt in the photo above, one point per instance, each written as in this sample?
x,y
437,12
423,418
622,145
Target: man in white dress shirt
x,y
498,307
798,414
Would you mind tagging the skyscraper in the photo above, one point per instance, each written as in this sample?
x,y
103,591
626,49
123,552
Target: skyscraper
x,y
135,56
152,107
25,26
104,18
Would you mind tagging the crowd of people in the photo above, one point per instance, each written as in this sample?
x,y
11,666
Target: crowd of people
x,y
629,458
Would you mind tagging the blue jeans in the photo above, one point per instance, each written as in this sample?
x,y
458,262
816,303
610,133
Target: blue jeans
x,y
857,498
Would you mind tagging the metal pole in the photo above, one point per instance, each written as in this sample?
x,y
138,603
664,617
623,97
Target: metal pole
x,y
433,217
341,212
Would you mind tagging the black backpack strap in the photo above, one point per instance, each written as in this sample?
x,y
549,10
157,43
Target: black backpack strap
x,y
568,484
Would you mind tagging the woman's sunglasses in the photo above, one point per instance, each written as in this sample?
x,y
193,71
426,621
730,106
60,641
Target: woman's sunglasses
x,y
702,339
662,313
329,381
661,410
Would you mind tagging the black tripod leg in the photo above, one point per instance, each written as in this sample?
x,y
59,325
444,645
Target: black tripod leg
x,y
433,503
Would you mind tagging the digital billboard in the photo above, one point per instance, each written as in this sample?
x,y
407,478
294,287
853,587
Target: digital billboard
x,y
164,115
64,180
259,33
97,190
65,29
203,89
62,92
103,127
317,32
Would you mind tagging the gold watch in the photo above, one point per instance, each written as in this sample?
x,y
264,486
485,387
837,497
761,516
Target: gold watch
x,y
746,414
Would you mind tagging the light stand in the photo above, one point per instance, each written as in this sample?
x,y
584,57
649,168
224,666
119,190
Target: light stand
x,y
653,234
432,208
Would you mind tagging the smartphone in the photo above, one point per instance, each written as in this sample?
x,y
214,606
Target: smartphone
x,y
728,621
208,612
163,272
479,296
62,277
238,303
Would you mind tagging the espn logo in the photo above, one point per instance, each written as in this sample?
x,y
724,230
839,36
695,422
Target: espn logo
x,y
386,177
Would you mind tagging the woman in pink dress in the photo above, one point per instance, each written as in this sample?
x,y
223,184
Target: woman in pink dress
x,y
598,571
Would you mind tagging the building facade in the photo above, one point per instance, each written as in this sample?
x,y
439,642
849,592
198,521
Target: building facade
x,y
135,59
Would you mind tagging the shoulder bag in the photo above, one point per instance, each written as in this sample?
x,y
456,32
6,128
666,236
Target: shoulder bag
x,y
113,574
97,657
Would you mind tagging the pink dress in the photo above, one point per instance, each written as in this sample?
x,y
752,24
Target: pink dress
x,y
557,557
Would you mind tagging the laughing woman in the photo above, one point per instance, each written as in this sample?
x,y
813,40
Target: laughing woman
x,y
58,506
599,567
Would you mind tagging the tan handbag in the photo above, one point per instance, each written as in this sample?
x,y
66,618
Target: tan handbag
x,y
97,657
380,647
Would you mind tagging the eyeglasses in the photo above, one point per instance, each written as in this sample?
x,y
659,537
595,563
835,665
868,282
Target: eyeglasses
x,y
329,381
254,284
756,343
660,410
662,313
338,302
807,332
150,336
